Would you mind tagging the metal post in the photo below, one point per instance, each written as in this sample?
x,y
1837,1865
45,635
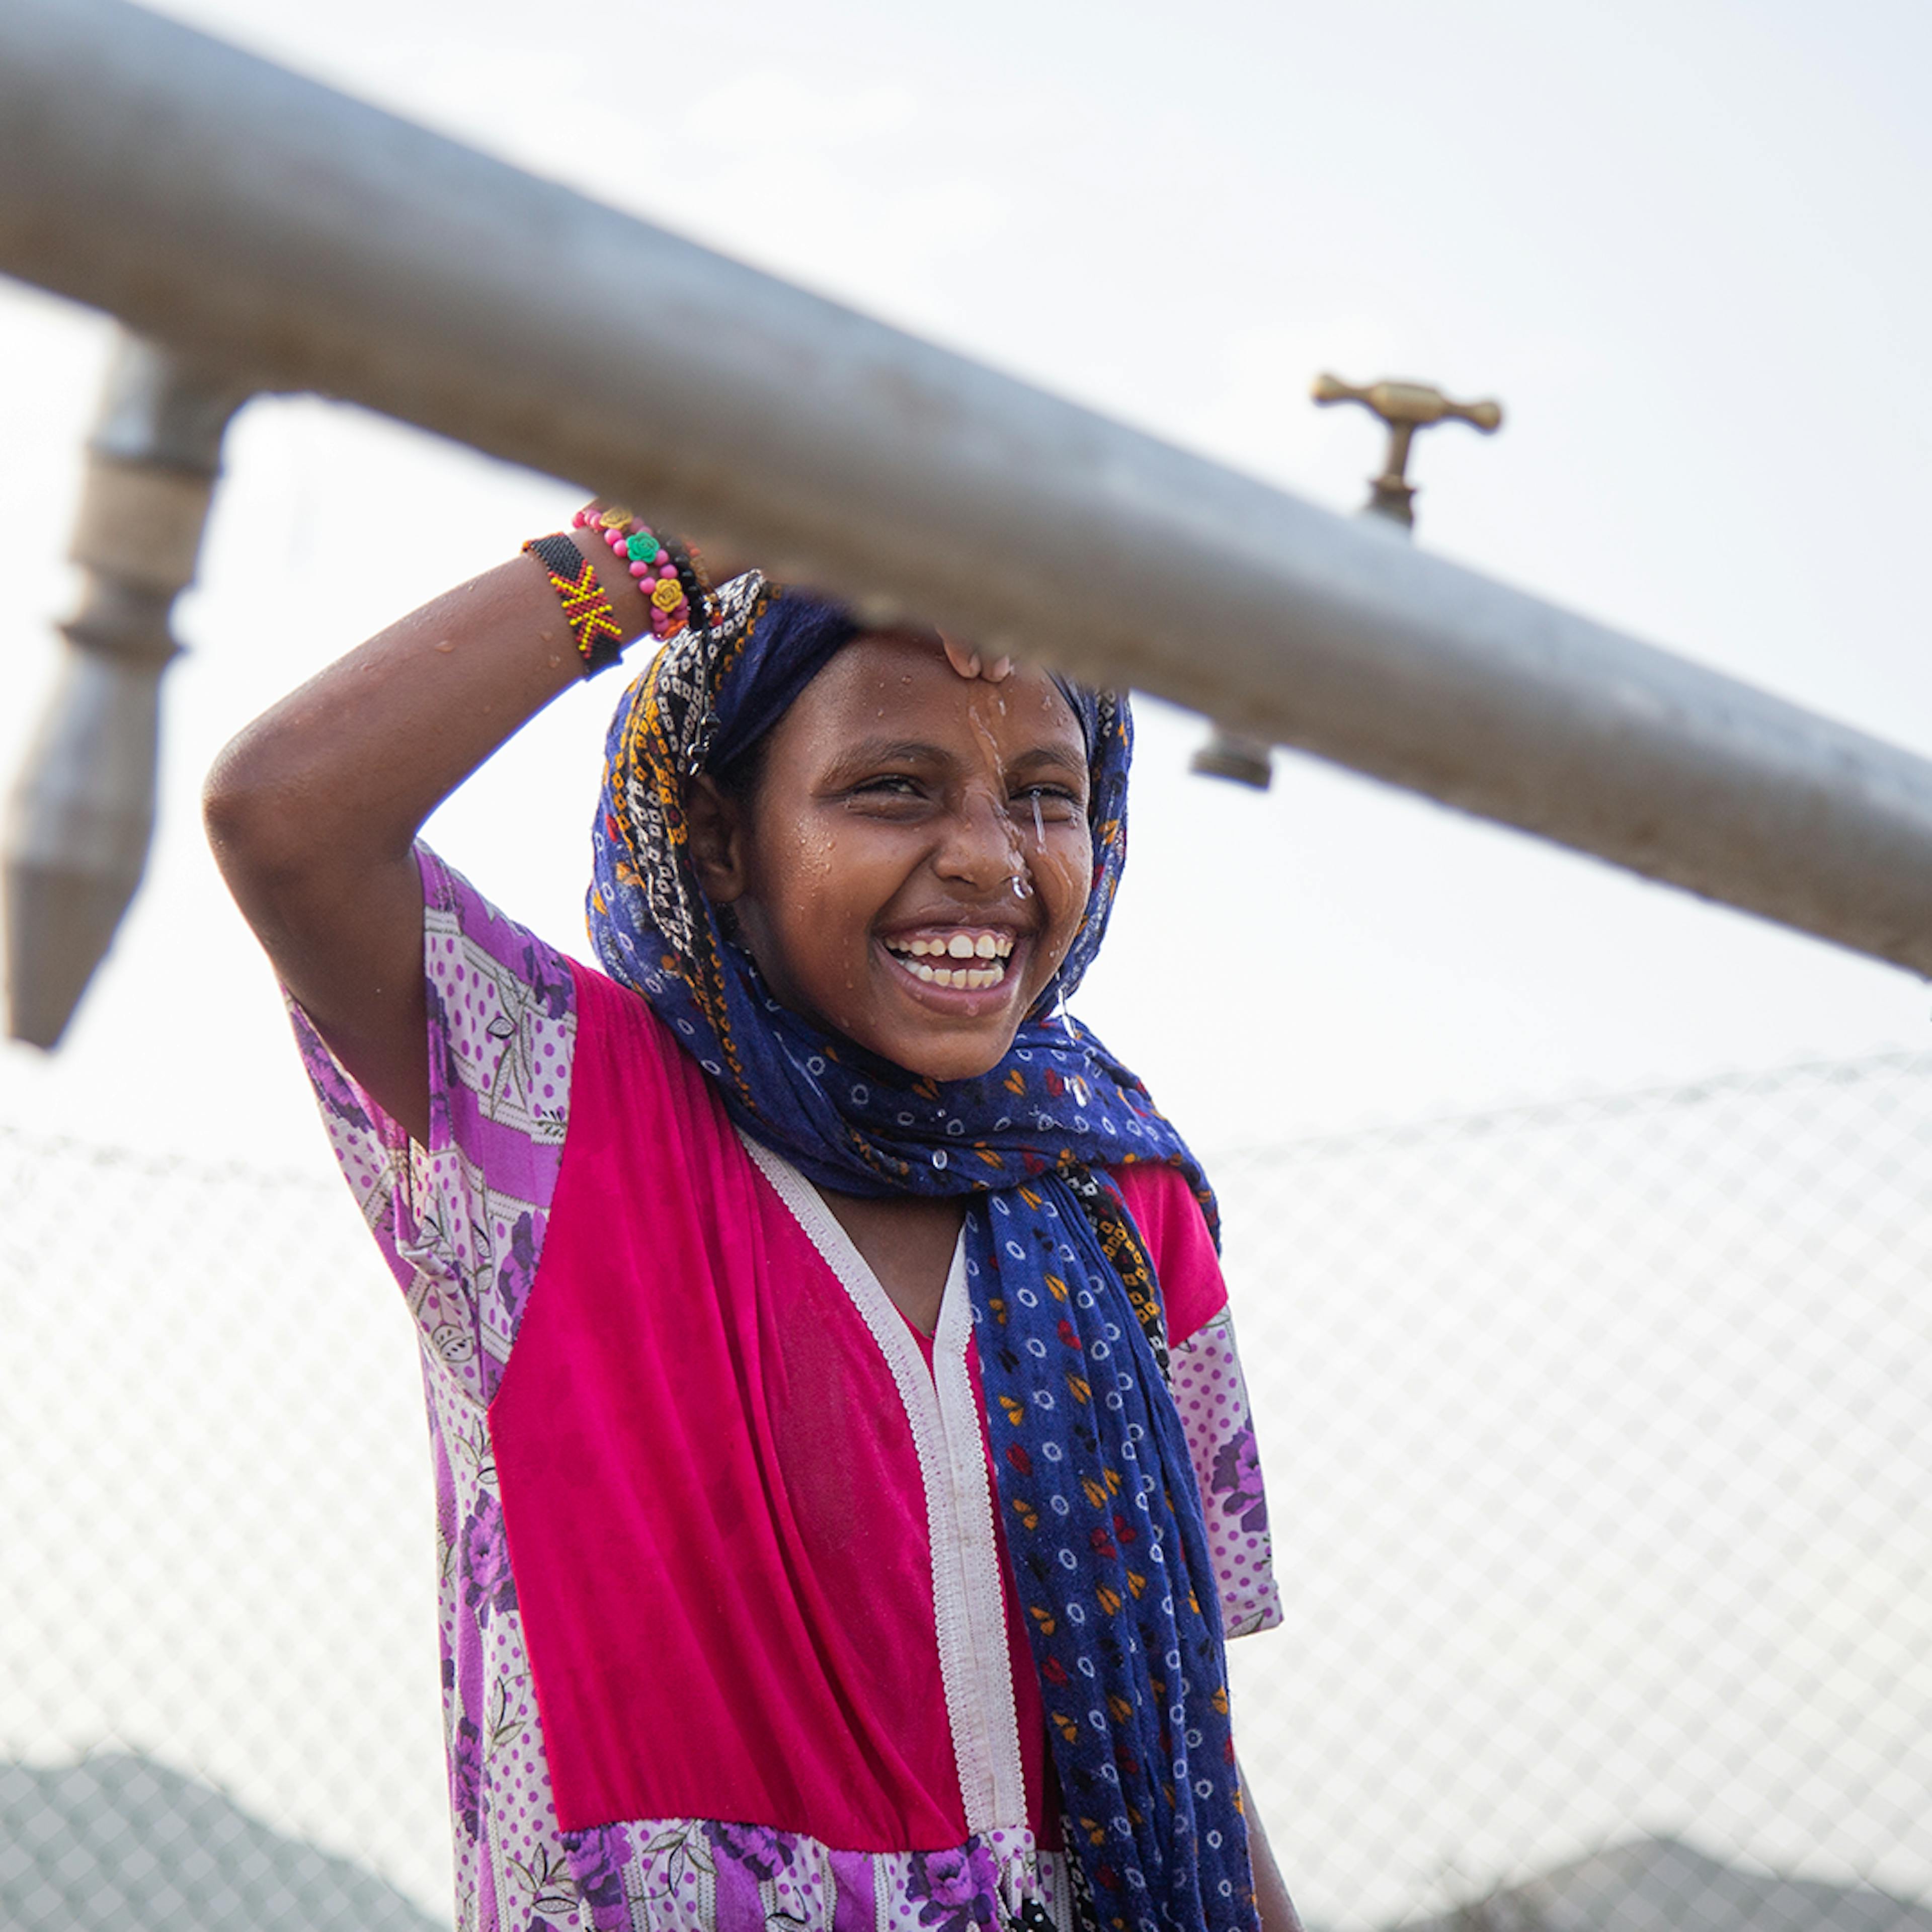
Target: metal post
x,y
219,202
82,810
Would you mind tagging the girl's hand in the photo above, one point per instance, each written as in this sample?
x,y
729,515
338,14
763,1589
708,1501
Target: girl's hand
x,y
970,663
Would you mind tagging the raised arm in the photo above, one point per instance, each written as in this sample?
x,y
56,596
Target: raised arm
x,y
313,808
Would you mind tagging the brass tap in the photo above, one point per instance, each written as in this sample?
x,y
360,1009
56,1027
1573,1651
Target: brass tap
x,y
1405,407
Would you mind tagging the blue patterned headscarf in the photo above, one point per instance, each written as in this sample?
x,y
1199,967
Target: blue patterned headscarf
x,y
1101,1510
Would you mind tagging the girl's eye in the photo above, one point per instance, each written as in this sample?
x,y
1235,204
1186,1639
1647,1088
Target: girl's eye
x,y
1051,801
887,784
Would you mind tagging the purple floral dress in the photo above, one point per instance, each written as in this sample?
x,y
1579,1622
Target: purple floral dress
x,y
462,1224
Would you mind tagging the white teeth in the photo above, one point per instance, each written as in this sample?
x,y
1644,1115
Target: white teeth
x,y
964,978
988,946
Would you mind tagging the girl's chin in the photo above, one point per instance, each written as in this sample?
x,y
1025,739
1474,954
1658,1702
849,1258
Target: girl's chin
x,y
928,1058
929,1052
919,1048
960,1069
936,1032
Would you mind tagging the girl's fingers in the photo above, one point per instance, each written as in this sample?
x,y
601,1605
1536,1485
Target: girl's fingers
x,y
968,663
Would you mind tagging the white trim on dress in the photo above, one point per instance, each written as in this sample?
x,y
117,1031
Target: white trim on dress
x,y
968,1590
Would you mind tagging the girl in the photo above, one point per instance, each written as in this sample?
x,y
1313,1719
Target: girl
x,y
845,1475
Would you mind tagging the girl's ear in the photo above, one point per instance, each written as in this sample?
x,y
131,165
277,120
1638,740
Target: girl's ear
x,y
717,829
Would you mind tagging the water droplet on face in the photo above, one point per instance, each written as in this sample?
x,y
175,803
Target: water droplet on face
x,y
1039,829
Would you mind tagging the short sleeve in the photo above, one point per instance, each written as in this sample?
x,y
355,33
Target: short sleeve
x,y
1204,1371
461,1222
1212,1395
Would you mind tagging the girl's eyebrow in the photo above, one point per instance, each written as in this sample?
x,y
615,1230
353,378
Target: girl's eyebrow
x,y
1058,755
874,751
889,750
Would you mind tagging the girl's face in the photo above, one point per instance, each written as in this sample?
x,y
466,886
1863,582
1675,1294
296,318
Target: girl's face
x,y
914,861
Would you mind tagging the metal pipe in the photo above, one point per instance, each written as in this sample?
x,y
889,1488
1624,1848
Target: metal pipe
x,y
215,201
82,813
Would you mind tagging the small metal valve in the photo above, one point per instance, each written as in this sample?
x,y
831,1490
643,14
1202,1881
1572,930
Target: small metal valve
x,y
1234,756
1405,407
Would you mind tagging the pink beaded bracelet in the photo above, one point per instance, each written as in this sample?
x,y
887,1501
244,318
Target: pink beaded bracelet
x,y
666,575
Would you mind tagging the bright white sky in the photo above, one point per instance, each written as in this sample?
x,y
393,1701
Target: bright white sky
x,y
1683,240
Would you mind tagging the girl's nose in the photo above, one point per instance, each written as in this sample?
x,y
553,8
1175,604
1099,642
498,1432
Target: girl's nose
x,y
978,847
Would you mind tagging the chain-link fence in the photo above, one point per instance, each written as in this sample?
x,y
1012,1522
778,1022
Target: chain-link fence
x,y
1600,1451
218,1538
1599,1445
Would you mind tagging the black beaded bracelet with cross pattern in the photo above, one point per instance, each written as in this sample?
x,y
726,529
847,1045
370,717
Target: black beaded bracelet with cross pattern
x,y
600,638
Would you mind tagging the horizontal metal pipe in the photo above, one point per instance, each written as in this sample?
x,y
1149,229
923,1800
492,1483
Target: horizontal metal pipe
x,y
220,203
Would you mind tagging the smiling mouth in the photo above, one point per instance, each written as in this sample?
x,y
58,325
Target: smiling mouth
x,y
969,959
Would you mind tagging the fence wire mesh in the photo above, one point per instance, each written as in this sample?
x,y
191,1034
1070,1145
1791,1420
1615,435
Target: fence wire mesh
x,y
1598,1437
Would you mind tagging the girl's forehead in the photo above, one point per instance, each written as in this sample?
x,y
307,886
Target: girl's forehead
x,y
883,674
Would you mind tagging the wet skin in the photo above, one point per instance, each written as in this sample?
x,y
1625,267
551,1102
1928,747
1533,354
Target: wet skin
x,y
903,799
900,801
313,809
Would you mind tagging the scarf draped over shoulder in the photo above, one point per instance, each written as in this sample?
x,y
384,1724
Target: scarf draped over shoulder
x,y
1100,1510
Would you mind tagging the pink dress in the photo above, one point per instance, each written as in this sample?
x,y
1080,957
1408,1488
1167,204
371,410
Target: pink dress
x,y
728,1641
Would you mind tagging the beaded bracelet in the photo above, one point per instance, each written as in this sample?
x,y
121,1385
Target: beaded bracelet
x,y
666,580
667,572
599,637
